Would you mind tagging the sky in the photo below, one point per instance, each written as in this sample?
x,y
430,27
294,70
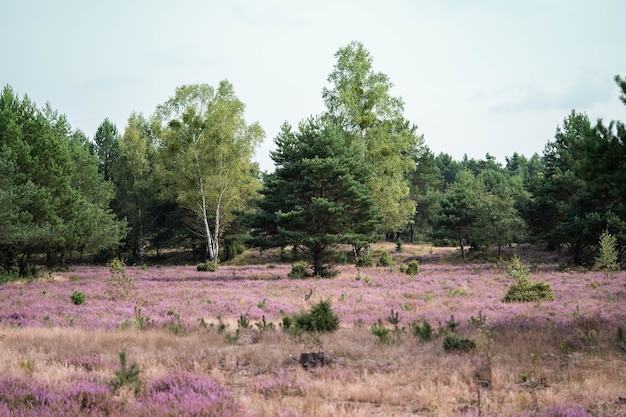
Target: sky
x,y
476,77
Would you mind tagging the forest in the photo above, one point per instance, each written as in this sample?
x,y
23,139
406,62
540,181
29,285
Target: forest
x,y
183,179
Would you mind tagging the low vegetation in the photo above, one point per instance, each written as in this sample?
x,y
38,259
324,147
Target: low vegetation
x,y
225,343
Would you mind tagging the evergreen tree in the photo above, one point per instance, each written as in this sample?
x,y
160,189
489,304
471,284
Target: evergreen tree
x,y
317,198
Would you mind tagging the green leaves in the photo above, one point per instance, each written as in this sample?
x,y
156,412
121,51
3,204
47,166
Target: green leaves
x,y
52,197
317,197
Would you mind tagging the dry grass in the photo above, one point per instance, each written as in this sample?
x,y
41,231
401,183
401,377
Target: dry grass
x,y
403,378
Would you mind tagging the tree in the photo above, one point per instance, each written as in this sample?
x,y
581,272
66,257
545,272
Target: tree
x,y
52,197
426,184
134,175
457,212
497,221
556,210
206,152
106,147
359,101
608,255
448,167
317,197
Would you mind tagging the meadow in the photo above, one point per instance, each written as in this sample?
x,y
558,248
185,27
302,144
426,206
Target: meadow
x,y
179,342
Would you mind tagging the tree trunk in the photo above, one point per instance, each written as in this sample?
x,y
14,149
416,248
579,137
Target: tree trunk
x,y
318,261
207,230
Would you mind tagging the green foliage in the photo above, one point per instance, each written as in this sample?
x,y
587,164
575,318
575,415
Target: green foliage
x,y
457,211
243,322
394,320
264,325
380,331
120,285
321,319
517,270
317,197
364,260
78,298
413,268
52,198
454,343
524,291
608,254
206,267
423,332
385,259
206,153
380,138
126,375
299,270
286,322
399,246
140,321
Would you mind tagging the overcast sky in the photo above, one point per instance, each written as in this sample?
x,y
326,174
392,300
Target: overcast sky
x,y
475,76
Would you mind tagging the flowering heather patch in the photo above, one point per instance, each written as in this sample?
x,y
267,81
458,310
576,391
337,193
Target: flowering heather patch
x,y
179,393
24,397
184,393
182,296
181,327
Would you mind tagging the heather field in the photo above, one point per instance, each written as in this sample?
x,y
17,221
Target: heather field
x,y
212,343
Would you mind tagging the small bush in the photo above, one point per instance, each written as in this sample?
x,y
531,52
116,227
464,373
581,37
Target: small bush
x,y
126,375
608,254
321,318
78,298
424,332
119,285
380,331
524,291
206,267
300,270
454,343
385,260
517,270
399,246
364,261
413,268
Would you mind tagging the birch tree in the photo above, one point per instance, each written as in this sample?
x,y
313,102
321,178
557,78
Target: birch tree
x,y
207,149
359,100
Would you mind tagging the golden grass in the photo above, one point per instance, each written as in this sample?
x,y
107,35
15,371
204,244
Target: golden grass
x,y
364,378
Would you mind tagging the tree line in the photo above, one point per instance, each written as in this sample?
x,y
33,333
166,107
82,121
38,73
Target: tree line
x,y
360,172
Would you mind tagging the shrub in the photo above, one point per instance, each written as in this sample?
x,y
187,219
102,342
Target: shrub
x,y
385,260
424,332
413,268
126,375
364,261
78,298
299,270
608,254
399,245
321,318
517,270
119,285
455,343
524,290
206,267
380,331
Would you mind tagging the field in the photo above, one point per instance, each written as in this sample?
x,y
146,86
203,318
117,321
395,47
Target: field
x,y
212,343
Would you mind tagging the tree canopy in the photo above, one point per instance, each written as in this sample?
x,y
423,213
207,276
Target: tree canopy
x,y
52,198
317,197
